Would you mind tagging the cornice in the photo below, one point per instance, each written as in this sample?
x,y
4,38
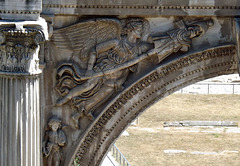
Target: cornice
x,y
137,7
141,9
19,12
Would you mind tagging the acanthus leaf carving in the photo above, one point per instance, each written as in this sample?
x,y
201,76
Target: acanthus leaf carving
x,y
19,49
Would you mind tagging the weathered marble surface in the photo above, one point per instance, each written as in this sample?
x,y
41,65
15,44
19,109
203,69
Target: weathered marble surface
x,y
179,51
143,7
219,34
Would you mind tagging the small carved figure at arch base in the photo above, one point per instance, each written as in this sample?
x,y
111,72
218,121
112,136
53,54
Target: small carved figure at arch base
x,y
54,140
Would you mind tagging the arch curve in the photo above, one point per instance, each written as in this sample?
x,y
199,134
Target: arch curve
x,y
160,82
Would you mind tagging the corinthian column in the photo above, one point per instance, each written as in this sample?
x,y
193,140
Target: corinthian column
x,y
19,95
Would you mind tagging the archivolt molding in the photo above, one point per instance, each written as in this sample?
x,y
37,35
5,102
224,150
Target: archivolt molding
x,y
170,91
154,76
173,89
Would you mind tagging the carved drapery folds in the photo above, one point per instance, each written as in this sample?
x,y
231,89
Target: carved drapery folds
x,y
110,57
178,39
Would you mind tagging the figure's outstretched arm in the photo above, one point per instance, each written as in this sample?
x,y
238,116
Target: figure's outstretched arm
x,y
98,49
120,67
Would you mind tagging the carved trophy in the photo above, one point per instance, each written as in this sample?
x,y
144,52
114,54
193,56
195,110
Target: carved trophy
x,y
110,50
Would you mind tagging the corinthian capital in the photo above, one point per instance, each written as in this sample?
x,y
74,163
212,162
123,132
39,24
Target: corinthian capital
x,y
19,46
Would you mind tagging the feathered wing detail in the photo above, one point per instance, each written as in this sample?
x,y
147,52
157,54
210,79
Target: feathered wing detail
x,y
81,37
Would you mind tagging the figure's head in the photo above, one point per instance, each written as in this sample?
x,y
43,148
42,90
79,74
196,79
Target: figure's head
x,y
134,28
199,28
195,31
54,123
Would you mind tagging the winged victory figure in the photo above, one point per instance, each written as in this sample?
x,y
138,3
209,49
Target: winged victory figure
x,y
108,50
107,47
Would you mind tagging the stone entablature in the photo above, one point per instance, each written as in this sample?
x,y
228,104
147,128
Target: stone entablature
x,y
20,9
143,7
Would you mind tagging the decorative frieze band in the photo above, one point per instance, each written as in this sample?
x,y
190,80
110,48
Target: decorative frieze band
x,y
18,12
151,8
136,7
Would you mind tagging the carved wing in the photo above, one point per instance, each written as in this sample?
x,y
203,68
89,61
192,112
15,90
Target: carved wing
x,y
82,36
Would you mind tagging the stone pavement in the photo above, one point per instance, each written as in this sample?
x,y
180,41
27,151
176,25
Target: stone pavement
x,y
200,123
176,151
225,84
191,129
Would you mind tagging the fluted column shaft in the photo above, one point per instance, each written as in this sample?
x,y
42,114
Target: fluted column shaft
x,y
19,94
20,121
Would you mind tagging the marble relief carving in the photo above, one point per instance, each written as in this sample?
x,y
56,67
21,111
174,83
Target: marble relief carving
x,y
110,57
178,39
54,140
